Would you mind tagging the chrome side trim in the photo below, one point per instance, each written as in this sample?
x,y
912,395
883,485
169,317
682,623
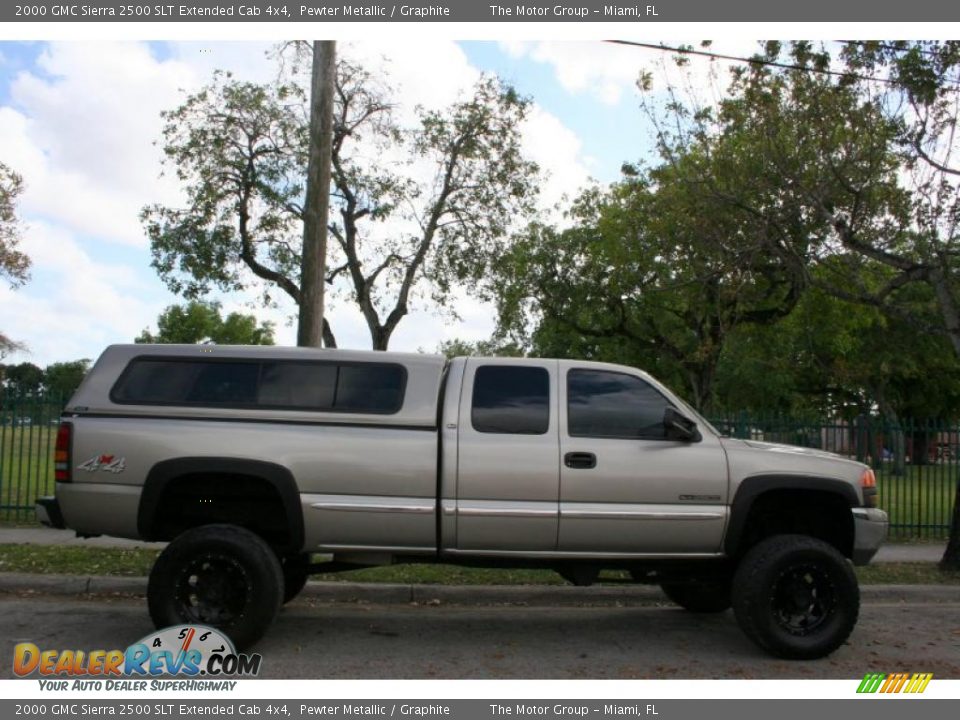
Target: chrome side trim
x,y
551,554
373,504
505,512
418,549
637,515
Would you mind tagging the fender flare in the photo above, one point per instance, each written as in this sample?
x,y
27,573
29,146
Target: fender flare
x,y
756,485
163,473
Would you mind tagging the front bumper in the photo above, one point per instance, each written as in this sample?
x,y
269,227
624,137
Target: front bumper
x,y
48,512
870,527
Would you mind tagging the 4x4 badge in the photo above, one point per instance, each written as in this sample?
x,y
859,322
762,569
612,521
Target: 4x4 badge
x,y
106,463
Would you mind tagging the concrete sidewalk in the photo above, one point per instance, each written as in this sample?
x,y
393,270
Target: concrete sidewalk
x,y
891,552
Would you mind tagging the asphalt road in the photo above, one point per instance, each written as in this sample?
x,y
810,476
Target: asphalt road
x,y
316,638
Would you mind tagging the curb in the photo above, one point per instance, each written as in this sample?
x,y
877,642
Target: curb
x,y
397,594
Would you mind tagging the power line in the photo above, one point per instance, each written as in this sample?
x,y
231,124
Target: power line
x,y
756,60
888,46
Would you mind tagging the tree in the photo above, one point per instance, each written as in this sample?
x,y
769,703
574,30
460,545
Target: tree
x,y
239,150
23,379
14,265
870,154
649,275
481,348
61,379
198,322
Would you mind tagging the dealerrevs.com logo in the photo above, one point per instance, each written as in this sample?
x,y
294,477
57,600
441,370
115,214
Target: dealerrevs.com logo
x,y
181,651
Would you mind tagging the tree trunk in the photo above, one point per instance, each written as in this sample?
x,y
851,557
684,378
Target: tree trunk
x,y
951,318
316,206
893,435
951,556
920,454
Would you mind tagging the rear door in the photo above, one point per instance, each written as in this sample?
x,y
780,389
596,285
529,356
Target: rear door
x,y
508,468
625,486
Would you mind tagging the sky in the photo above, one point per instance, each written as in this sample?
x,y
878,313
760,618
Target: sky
x,y
80,120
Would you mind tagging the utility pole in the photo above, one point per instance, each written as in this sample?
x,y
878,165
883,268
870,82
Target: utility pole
x,y
313,266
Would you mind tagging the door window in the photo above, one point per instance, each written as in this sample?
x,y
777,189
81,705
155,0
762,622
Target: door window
x,y
606,404
511,399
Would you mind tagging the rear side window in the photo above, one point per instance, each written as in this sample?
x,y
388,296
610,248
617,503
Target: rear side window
x,y
511,399
376,388
605,404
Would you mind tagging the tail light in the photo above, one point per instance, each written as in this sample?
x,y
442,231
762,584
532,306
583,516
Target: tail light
x,y
868,483
61,453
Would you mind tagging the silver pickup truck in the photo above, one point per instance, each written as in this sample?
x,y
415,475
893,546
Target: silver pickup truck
x,y
254,461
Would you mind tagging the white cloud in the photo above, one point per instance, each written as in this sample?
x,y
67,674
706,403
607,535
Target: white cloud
x,y
78,305
558,151
81,132
81,126
609,72
605,71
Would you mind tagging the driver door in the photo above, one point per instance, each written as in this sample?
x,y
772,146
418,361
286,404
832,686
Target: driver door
x,y
625,486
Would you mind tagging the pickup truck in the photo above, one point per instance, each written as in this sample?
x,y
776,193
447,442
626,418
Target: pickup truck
x,y
252,462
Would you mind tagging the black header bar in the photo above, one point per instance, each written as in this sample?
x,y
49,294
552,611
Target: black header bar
x,y
570,11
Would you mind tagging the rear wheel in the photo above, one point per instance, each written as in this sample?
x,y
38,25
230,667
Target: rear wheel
x,y
796,597
219,575
700,597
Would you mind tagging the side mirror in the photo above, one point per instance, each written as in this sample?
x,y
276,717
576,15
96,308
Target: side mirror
x,y
679,427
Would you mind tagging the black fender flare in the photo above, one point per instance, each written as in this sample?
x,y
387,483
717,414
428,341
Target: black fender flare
x,y
163,473
756,485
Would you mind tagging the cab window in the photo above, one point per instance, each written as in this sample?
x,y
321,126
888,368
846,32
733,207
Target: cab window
x,y
511,400
604,404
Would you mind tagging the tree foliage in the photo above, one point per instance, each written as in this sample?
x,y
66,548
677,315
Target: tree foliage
x,y
648,273
61,379
481,348
199,322
23,379
14,265
412,206
867,154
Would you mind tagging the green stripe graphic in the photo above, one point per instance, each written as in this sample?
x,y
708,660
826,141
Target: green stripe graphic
x,y
871,682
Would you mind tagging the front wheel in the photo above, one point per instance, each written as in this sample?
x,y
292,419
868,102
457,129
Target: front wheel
x,y
223,576
796,597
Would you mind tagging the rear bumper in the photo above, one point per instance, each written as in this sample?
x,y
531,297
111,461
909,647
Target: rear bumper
x,y
48,512
870,530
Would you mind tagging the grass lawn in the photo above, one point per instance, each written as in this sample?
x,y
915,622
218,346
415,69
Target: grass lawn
x,y
919,500
26,468
52,559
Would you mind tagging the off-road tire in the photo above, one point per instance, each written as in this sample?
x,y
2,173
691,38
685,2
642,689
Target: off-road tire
x,y
796,597
295,573
700,597
219,575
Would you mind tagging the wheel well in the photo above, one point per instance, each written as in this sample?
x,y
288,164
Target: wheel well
x,y
195,499
821,514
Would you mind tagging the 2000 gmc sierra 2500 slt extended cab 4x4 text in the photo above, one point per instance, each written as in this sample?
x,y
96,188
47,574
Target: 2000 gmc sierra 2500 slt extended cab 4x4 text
x,y
250,459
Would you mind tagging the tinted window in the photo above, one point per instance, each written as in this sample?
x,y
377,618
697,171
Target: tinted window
x,y
156,381
369,388
511,400
614,405
297,384
340,387
225,383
